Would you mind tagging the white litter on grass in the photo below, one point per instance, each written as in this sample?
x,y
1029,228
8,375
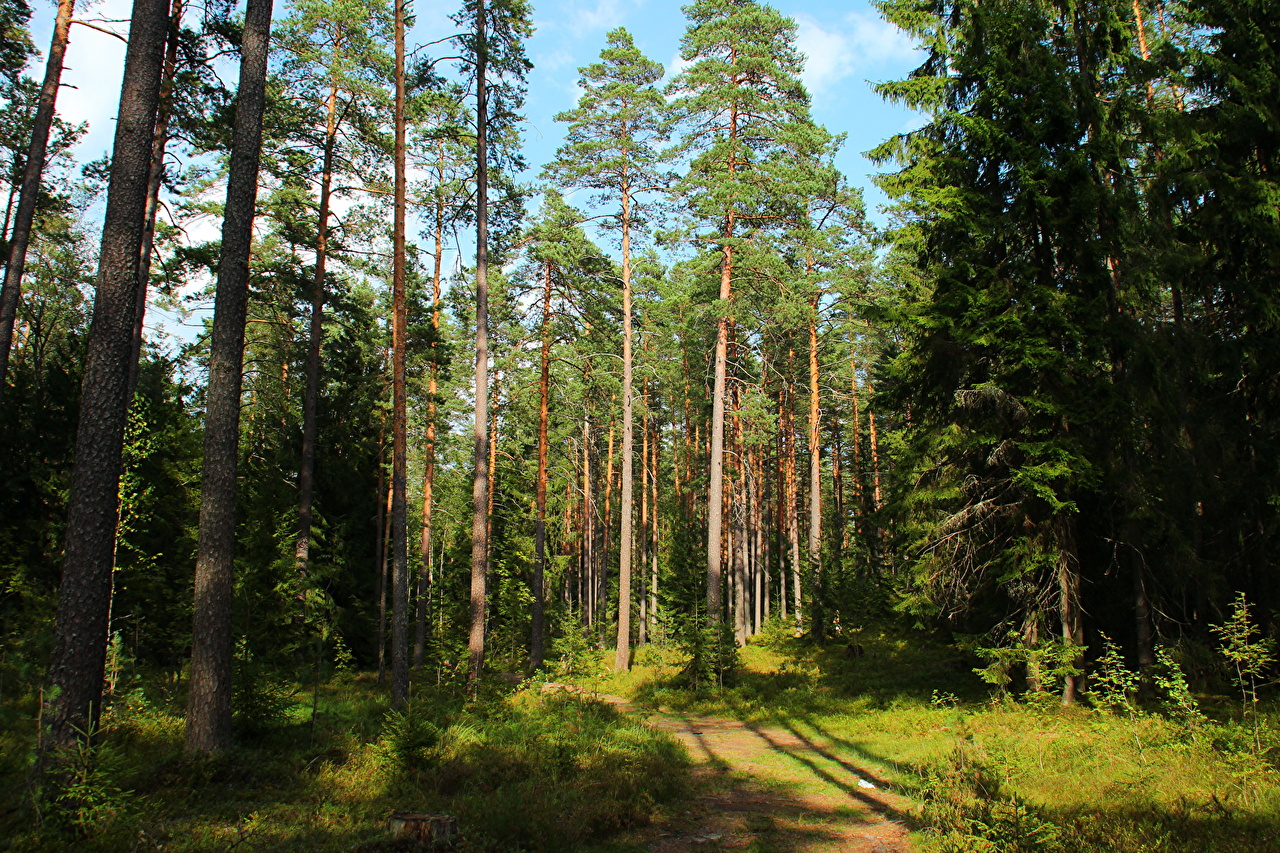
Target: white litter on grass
x,y
863,783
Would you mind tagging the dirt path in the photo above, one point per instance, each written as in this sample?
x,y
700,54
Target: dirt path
x,y
766,789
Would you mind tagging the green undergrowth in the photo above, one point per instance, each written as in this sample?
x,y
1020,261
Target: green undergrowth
x,y
997,774
520,770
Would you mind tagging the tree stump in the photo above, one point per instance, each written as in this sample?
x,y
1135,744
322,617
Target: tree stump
x,y
427,831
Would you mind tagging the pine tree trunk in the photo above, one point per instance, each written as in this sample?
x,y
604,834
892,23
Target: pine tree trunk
x,y
540,532
586,576
84,596
715,467
739,552
603,554
379,575
816,613
209,705
20,237
654,529
642,561
155,178
793,500
429,468
622,661
480,452
779,526
399,403
382,583
855,475
315,335
1069,604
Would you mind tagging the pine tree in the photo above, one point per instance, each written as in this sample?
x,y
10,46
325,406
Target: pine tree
x,y
24,216
84,596
209,701
493,44
744,117
612,147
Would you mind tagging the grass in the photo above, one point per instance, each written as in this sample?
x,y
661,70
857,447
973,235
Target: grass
x,y
527,771
995,774
521,771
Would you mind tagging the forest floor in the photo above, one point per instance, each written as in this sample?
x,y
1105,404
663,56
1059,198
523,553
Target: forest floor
x,y
887,741
771,788
881,741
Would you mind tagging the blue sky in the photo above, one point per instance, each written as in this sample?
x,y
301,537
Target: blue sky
x,y
847,45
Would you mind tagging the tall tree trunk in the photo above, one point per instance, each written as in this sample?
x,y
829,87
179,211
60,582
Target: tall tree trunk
x,y
875,452
209,702
586,577
642,561
540,532
1069,604
779,526
399,404
859,493
30,194
379,565
654,528
739,552
155,178
480,454
715,467
602,577
315,336
816,614
429,467
84,596
382,583
622,661
793,499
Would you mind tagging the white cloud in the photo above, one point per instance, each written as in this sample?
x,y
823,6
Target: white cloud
x,y
677,64
604,15
861,45
553,61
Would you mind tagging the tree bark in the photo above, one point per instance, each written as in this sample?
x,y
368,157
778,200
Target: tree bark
x,y
25,216
480,482
209,702
429,469
399,405
816,615
155,179
84,596
643,626
1069,604
586,595
623,659
654,529
793,499
715,467
379,563
540,532
602,576
315,336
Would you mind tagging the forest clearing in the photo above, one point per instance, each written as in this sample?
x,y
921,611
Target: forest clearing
x,y
810,750
402,433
